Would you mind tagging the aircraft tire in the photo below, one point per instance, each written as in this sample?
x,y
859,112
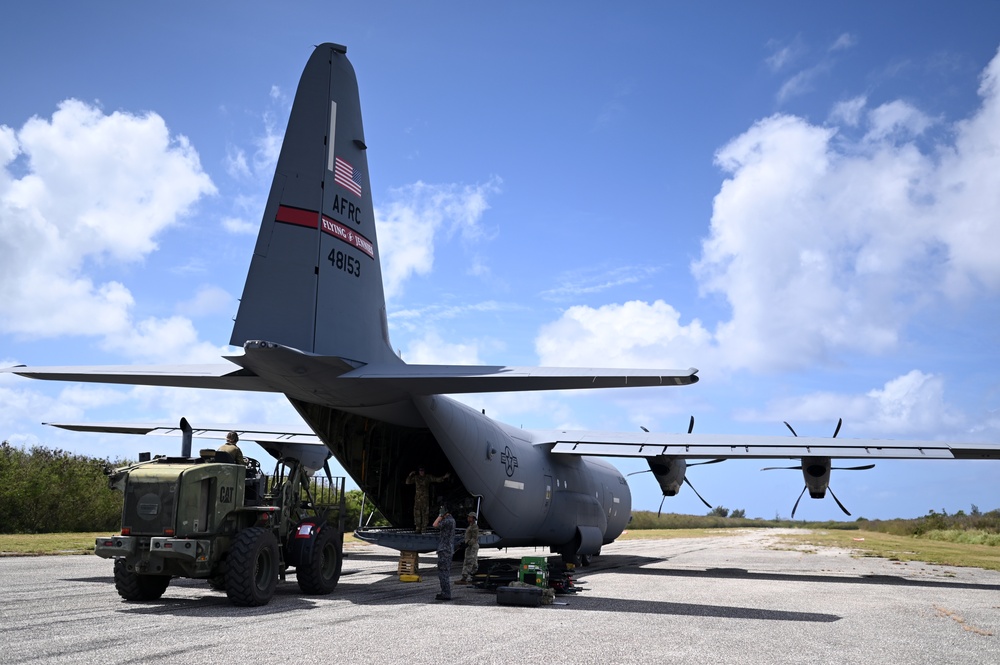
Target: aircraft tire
x,y
253,568
319,575
132,586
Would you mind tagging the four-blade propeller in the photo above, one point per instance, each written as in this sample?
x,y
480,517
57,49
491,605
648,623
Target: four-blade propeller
x,y
670,472
816,471
662,469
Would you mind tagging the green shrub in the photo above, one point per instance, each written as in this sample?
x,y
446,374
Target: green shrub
x,y
52,491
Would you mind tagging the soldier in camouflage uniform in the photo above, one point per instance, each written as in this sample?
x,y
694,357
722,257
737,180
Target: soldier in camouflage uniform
x,y
471,563
421,498
230,447
445,550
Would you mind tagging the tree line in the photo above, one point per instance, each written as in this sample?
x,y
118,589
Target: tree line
x,y
55,491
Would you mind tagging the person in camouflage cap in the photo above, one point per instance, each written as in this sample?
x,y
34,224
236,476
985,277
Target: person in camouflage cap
x,y
471,563
445,550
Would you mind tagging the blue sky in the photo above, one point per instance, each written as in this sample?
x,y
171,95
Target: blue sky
x,y
800,200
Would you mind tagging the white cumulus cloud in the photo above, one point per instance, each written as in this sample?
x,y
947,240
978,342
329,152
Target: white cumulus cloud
x,y
912,404
823,245
634,334
410,224
85,188
431,349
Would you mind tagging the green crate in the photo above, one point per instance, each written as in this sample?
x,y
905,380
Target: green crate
x,y
534,570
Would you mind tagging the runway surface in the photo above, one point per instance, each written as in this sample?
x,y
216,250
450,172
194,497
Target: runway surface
x,y
742,598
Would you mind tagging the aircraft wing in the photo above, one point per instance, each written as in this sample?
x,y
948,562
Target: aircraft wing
x,y
255,433
279,441
726,446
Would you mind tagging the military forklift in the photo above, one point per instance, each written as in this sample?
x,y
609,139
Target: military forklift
x,y
211,518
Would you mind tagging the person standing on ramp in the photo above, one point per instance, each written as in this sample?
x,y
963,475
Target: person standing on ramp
x,y
421,498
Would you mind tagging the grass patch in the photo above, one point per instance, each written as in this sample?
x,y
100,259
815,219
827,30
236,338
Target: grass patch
x,y
38,544
970,537
904,548
34,544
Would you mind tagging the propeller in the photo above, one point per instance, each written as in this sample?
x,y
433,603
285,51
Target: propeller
x,y
840,421
685,478
819,468
690,427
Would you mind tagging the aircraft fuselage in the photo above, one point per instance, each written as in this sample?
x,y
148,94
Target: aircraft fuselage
x,y
525,494
529,496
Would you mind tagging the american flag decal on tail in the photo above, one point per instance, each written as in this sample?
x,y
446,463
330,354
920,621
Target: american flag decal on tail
x,y
347,176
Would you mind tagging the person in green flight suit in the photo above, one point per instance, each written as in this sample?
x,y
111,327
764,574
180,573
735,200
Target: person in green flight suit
x,y
421,499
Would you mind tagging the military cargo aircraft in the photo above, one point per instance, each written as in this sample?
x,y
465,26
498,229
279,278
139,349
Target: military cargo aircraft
x,y
312,324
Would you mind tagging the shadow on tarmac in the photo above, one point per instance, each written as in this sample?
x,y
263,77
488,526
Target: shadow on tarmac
x,y
638,565
386,590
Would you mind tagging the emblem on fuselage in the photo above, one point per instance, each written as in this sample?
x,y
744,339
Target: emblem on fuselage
x,y
509,461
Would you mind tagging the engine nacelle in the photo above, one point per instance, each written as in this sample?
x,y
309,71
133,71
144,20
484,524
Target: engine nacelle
x,y
669,472
816,472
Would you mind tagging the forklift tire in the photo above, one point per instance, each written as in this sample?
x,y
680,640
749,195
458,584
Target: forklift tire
x,y
132,586
319,575
253,568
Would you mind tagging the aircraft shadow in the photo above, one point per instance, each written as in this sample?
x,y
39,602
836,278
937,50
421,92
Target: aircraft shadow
x,y
593,603
389,592
636,565
386,590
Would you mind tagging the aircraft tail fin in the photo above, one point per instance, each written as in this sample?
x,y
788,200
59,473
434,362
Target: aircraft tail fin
x,y
315,279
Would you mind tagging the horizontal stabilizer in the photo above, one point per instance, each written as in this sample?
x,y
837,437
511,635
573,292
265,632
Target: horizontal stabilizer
x,y
224,376
268,367
446,379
